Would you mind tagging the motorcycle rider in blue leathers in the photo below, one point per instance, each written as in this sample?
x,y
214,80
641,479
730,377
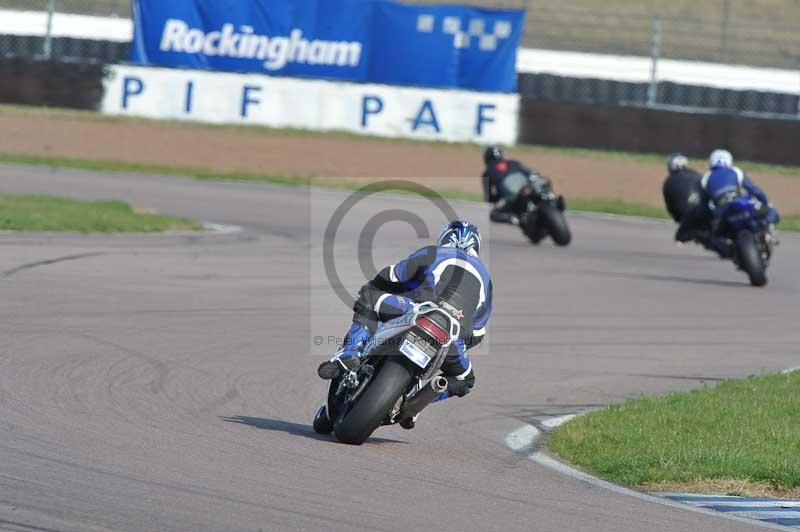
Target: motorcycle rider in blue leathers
x,y
720,184
449,272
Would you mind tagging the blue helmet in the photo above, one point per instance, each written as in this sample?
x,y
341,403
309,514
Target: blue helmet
x,y
460,234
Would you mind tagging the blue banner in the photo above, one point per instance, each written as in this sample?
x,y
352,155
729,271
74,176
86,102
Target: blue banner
x,y
374,41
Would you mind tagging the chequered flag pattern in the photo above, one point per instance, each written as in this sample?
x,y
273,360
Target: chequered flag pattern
x,y
463,38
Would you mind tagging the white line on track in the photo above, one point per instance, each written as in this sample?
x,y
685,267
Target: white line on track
x,y
222,228
554,422
523,438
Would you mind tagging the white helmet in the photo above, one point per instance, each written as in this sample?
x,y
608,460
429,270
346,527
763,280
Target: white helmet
x,y
720,159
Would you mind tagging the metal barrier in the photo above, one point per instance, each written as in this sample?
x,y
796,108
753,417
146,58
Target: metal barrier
x,y
755,33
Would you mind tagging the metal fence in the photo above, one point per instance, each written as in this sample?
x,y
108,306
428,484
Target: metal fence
x,y
103,8
759,33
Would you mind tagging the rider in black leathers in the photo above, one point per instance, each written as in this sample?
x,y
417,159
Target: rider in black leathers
x,y
497,169
682,190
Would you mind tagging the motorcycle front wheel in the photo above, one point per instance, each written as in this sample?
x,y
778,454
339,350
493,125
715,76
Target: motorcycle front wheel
x,y
556,224
749,258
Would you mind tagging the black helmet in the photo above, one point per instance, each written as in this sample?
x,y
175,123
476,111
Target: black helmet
x,y
677,161
492,154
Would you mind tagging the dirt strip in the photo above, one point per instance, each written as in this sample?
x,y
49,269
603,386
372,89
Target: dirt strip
x,y
290,154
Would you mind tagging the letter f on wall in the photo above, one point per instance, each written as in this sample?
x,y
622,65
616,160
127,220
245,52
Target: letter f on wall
x,y
247,100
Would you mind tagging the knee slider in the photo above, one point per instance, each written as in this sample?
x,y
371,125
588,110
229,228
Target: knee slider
x,y
364,308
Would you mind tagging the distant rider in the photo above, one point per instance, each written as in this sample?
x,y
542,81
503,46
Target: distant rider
x,y
448,272
682,190
721,184
498,168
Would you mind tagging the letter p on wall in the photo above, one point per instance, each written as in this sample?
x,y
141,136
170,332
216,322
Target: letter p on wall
x,y
131,86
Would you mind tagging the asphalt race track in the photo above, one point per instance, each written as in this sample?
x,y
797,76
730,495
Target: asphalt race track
x,y
168,382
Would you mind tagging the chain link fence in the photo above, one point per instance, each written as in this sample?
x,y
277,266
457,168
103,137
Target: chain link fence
x,y
708,38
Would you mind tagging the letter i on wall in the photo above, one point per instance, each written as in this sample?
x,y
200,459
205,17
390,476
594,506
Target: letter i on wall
x,y
189,100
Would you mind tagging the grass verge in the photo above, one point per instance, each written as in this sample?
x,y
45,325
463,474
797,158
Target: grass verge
x,y
741,437
610,206
46,213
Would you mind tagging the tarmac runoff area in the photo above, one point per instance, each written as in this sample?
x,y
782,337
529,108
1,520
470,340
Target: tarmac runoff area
x,y
168,383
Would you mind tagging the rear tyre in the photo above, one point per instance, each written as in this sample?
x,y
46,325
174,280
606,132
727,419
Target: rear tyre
x,y
749,258
556,224
390,382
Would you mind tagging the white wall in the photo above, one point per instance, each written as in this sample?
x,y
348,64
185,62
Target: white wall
x,y
13,22
637,69
416,113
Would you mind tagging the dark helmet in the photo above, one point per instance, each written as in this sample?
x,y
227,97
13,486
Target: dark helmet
x,y
677,161
492,154
460,234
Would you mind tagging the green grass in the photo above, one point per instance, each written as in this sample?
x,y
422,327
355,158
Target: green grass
x,y
789,222
45,213
742,429
620,207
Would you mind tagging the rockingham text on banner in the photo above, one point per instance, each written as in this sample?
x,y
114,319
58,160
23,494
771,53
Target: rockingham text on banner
x,y
377,41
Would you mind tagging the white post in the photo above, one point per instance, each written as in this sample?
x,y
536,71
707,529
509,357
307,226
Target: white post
x,y
48,37
655,52
798,102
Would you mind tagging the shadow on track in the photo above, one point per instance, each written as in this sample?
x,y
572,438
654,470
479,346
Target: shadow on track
x,y
669,278
295,429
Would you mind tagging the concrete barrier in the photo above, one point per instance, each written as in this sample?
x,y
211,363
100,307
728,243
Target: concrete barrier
x,y
51,83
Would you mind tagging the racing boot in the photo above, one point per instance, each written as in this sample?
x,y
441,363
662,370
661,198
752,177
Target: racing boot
x,y
346,358
322,421
770,237
409,422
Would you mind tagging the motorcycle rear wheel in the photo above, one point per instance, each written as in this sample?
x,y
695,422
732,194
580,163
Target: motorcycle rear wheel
x,y
749,258
389,383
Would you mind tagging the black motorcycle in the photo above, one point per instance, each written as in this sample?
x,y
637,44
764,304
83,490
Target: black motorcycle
x,y
396,375
539,210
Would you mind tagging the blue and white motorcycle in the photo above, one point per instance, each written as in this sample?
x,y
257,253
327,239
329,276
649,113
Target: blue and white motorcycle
x,y
396,376
749,234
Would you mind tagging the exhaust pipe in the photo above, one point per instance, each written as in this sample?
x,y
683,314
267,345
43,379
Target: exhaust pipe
x,y
423,398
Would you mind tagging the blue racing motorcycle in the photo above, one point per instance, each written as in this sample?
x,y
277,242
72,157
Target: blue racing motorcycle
x,y
747,230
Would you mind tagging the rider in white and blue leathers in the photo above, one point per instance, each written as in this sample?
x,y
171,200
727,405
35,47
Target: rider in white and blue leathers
x,y
449,272
721,183
726,180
